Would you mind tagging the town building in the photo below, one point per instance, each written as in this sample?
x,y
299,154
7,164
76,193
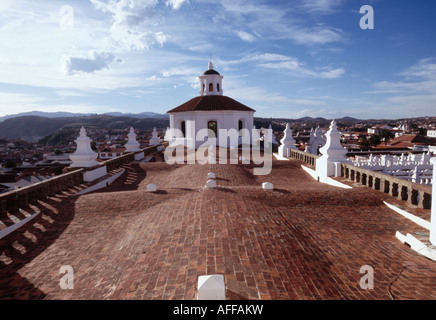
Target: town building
x,y
407,142
110,153
379,128
431,133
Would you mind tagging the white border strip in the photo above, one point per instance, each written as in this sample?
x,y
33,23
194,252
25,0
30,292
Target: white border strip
x,y
278,157
102,184
147,159
417,245
421,222
328,180
17,225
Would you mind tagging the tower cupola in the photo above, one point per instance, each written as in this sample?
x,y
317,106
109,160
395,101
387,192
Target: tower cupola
x,y
211,82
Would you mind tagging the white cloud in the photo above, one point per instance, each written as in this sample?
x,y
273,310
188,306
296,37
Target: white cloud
x,y
292,64
9,102
277,61
94,62
71,93
245,36
420,78
425,68
175,4
320,6
262,95
135,23
278,22
332,74
415,94
317,35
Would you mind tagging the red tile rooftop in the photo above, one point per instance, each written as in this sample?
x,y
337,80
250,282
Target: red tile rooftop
x,y
302,240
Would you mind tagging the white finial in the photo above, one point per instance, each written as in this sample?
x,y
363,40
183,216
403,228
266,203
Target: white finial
x,y
84,156
154,141
210,65
82,132
333,149
287,143
132,145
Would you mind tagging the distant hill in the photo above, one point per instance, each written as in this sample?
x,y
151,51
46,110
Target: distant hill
x,y
31,128
312,119
34,128
62,114
348,119
139,115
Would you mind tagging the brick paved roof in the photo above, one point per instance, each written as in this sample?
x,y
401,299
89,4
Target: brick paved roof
x,y
211,103
302,240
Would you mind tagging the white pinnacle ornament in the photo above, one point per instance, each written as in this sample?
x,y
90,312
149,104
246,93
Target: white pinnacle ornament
x,y
333,149
132,145
287,143
154,141
84,156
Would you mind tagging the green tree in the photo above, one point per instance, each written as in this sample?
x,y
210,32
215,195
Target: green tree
x,y
363,141
385,135
10,164
94,145
374,140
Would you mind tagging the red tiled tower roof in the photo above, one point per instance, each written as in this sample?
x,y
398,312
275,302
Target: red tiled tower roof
x,y
211,103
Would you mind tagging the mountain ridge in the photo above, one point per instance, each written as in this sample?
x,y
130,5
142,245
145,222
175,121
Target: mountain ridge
x,y
64,114
34,128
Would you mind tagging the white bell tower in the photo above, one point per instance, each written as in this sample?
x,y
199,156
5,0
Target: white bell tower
x,y
211,82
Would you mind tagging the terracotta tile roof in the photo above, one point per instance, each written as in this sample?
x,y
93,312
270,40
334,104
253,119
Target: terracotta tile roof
x,y
114,150
407,141
211,103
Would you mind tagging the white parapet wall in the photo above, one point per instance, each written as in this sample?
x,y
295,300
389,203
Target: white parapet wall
x,y
94,174
12,228
421,222
279,157
326,168
417,245
102,184
326,180
139,156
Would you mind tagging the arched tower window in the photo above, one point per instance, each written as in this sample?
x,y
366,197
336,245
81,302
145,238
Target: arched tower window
x,y
210,87
218,87
183,128
212,125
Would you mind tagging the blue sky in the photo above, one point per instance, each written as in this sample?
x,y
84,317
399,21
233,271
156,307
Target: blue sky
x,y
287,59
